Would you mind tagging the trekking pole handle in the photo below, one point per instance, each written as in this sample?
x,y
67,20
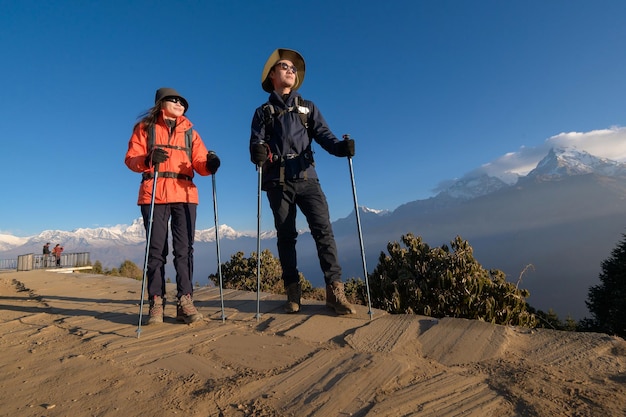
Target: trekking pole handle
x,y
211,153
346,136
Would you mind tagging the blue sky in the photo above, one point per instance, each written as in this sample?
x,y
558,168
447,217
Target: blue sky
x,y
430,91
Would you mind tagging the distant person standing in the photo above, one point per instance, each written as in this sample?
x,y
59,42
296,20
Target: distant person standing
x,y
46,254
164,138
57,251
283,130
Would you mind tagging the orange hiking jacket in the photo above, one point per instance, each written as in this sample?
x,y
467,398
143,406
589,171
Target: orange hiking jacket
x,y
168,190
57,250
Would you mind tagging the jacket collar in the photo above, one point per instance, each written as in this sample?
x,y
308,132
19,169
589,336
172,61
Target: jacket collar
x,y
182,122
277,99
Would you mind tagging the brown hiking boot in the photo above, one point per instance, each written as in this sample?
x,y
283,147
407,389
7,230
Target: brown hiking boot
x,y
157,306
336,299
185,310
294,292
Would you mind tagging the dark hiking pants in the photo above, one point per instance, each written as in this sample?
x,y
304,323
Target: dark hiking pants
x,y
308,196
183,219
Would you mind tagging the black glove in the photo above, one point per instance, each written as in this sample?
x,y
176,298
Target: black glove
x,y
212,162
346,148
156,156
258,153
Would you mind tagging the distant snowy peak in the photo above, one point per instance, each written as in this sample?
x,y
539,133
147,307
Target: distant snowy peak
x,y
225,232
468,188
570,161
364,213
137,231
120,234
367,210
123,234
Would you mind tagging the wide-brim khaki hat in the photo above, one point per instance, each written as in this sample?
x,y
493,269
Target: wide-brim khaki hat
x,y
164,92
277,55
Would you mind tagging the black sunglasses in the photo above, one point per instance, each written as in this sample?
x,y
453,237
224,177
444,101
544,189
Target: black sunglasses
x,y
175,100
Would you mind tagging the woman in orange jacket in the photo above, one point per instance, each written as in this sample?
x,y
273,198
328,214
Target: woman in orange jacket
x,y
164,139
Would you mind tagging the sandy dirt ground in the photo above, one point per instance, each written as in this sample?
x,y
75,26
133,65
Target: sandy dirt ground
x,y
70,347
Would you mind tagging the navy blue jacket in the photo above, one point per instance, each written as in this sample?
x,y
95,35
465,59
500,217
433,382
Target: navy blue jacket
x,y
288,139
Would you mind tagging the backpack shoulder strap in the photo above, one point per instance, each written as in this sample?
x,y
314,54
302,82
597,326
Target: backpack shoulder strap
x,y
268,119
151,133
188,140
269,113
304,115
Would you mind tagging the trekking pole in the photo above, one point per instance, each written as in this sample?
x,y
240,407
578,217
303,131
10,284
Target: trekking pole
x,y
258,247
217,243
145,262
358,225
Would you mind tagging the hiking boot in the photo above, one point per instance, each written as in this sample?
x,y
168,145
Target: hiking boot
x,y
336,299
157,306
185,310
294,292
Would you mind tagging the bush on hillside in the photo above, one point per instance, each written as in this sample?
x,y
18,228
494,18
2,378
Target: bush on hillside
x,y
127,269
97,268
241,273
444,282
131,270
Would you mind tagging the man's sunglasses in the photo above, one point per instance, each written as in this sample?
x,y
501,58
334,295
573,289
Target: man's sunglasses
x,y
286,67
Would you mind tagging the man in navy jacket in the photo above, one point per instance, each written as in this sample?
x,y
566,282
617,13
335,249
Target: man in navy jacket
x,y
280,144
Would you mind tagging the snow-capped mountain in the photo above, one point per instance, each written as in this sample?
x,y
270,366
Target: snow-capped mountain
x,y
568,162
225,232
467,188
557,163
83,239
367,210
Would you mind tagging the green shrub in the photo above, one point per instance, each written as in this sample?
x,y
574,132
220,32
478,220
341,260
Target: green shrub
x,y
241,273
444,282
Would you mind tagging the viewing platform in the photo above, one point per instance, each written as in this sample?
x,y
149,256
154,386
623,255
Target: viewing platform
x,y
67,262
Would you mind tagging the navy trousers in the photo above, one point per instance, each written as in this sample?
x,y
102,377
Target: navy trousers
x,y
309,197
183,226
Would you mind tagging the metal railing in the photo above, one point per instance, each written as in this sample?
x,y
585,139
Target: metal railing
x,y
31,261
8,264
